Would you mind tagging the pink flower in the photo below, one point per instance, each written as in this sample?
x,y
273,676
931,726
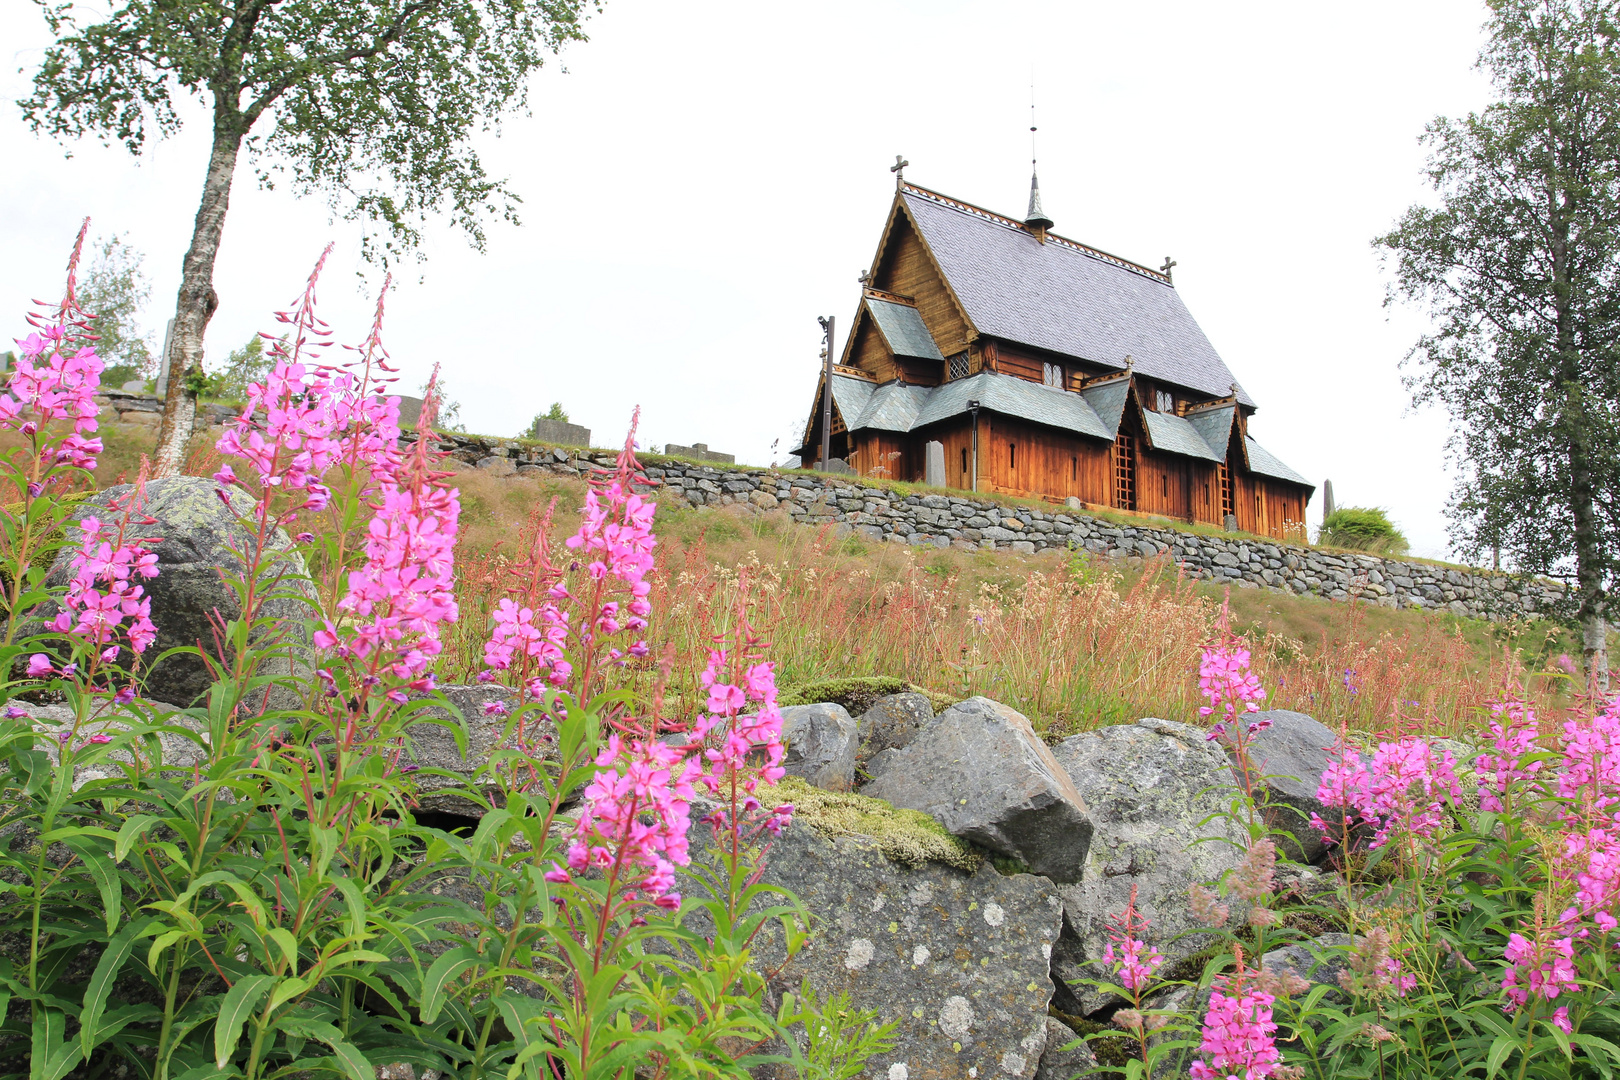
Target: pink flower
x,y
1135,961
1227,683
1238,1035
39,666
1542,966
1399,790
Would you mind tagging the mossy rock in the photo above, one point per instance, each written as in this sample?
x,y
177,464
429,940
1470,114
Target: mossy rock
x,y
905,836
1115,1048
858,694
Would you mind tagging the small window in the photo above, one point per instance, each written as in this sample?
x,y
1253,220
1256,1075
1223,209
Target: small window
x,y
964,461
1052,375
1166,401
959,366
1012,455
1164,486
1074,468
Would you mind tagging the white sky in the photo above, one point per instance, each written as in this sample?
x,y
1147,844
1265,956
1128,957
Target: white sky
x,y
707,178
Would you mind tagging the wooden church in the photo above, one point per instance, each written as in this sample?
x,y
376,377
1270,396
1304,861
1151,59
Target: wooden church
x,y
1046,368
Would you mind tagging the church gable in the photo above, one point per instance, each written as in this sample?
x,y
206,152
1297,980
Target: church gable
x,y
905,266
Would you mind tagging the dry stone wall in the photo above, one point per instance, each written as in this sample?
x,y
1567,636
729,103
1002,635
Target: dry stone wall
x,y
961,521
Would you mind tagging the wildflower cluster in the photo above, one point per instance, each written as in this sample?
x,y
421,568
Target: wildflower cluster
x,y
1230,687
1541,966
405,590
49,385
1398,792
1513,731
1239,1036
1135,960
105,590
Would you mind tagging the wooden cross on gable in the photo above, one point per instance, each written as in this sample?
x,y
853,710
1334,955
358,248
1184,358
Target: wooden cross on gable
x,y
1169,265
898,168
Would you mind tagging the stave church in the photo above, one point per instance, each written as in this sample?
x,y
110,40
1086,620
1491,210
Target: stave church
x,y
1044,368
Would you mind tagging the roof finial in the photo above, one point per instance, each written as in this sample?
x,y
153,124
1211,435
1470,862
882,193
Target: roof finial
x,y
1130,363
1036,220
1169,265
899,170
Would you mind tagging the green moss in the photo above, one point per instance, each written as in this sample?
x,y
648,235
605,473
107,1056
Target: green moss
x,y
857,695
906,836
1116,1050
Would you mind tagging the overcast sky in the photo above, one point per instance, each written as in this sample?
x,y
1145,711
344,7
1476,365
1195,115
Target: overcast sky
x,y
705,179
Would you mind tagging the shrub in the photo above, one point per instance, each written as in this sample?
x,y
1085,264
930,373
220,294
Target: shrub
x,y
1363,529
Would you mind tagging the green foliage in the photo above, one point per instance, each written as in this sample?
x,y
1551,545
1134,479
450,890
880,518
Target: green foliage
x,y
1363,528
839,1038
373,102
556,413
114,289
244,366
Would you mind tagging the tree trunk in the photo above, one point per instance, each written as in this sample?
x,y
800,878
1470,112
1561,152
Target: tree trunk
x,y
196,302
1588,559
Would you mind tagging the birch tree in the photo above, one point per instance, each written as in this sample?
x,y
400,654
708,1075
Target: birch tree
x,y
371,103
1517,263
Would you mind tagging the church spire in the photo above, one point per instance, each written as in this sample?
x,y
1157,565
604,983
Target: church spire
x,y
1036,220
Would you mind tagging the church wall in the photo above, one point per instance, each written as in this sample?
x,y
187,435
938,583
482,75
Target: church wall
x,y
1025,459
906,269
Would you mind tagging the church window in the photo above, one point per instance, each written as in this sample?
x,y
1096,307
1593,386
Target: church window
x,y
1012,455
964,461
1167,401
1074,468
1164,486
1052,375
959,366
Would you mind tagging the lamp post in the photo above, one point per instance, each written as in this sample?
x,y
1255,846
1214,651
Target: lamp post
x,y
826,390
973,410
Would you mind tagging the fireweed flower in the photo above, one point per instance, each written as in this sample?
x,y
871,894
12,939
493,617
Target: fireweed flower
x,y
1239,1036
1589,774
104,591
1134,960
1513,731
1228,685
405,590
1542,966
1399,790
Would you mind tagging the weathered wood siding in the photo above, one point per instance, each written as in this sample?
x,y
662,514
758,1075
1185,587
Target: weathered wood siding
x,y
906,268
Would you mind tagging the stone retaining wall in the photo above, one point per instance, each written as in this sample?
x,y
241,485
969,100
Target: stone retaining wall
x,y
961,521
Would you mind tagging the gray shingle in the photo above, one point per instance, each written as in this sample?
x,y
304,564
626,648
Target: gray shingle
x,y
1108,401
903,329
1261,461
1214,426
1057,297
1171,434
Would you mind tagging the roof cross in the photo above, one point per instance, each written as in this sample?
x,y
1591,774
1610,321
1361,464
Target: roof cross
x,y
1169,265
898,169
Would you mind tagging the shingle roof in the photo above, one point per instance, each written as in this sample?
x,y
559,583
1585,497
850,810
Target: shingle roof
x,y
1095,412
903,329
1171,434
1065,297
1261,461
1214,426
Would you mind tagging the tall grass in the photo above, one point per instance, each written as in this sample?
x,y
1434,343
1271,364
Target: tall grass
x,y
1071,643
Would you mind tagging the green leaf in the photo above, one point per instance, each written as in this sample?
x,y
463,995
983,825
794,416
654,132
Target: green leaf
x,y
101,867
133,829
234,1011
102,979
1501,1047
353,1062
444,969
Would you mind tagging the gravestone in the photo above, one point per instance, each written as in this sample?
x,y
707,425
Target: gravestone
x,y
699,452
934,464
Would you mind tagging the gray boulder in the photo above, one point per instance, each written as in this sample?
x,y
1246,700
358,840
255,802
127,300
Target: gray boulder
x,y
1058,1063
1149,786
820,741
431,745
1288,758
195,536
959,959
891,723
984,774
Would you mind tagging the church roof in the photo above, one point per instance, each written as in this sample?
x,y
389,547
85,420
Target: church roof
x,y
1065,297
1172,434
1261,461
903,329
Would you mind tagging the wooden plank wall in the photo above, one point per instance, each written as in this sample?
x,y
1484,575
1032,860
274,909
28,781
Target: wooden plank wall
x,y
906,269
871,353
1024,459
